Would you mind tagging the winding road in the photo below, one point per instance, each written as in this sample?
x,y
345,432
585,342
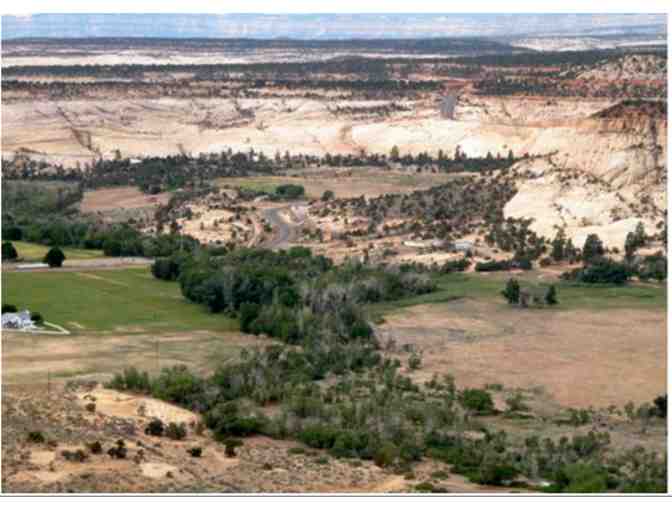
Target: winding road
x,y
283,231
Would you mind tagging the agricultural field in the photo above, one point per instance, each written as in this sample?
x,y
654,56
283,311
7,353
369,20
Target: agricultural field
x,y
111,301
115,318
487,287
356,182
32,252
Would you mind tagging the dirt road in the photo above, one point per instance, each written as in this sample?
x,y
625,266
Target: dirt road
x,y
283,231
83,265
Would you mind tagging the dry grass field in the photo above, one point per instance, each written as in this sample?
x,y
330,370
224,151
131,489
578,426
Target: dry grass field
x,y
581,358
121,197
356,182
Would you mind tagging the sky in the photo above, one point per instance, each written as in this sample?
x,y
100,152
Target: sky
x,y
324,26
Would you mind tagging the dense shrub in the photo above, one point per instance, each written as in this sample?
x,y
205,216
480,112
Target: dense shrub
x,y
226,420
660,403
9,309
176,431
178,385
230,446
95,448
477,400
119,451
196,451
319,436
8,251
453,266
36,436
54,257
493,265
131,380
168,268
154,428
289,191
604,271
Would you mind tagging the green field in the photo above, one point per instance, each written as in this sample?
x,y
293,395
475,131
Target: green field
x,y
122,300
31,252
132,300
570,296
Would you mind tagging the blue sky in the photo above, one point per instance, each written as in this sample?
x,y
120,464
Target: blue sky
x,y
322,25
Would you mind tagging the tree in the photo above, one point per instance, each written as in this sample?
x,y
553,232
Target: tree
x,y
570,251
328,195
640,235
630,246
660,408
477,400
558,250
230,446
54,257
551,296
512,291
8,251
394,154
592,249
415,361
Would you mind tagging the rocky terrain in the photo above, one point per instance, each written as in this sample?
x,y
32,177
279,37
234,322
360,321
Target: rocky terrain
x,y
72,419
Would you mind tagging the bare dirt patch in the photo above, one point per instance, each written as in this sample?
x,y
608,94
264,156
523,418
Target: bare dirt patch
x,y
124,197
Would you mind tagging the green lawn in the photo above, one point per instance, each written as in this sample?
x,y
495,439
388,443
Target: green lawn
x,y
260,185
123,300
32,252
488,287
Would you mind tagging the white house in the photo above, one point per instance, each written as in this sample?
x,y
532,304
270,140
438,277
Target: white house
x,y
19,320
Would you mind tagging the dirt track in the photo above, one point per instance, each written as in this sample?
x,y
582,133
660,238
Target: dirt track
x,y
83,265
283,232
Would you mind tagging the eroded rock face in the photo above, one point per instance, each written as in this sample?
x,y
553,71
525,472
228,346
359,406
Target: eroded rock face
x,y
558,197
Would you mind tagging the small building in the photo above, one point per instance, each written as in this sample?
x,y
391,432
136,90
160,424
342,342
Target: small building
x,y
18,320
463,246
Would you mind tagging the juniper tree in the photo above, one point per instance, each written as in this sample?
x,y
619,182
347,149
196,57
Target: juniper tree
x,y
551,296
54,257
512,291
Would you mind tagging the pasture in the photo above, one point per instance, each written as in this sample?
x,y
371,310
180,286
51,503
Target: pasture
x,y
32,252
345,184
600,346
118,301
